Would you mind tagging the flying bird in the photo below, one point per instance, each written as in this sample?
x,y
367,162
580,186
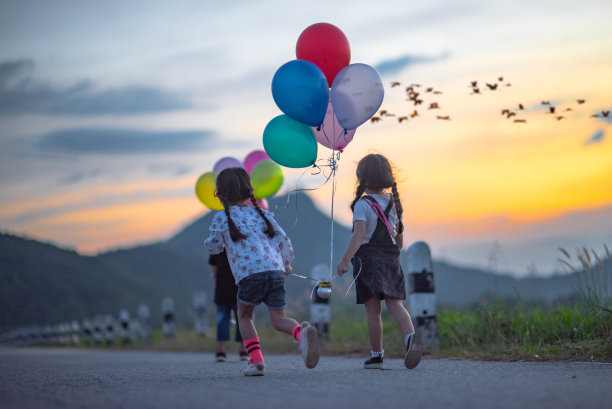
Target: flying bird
x,y
475,91
551,110
402,118
500,79
414,113
434,105
375,119
474,84
445,118
605,113
560,117
520,120
521,106
395,84
545,102
492,87
580,101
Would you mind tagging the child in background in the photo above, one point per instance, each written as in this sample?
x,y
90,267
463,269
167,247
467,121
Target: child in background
x,y
225,301
374,250
260,255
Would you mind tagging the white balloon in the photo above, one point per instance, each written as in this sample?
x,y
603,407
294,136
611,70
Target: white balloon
x,y
356,94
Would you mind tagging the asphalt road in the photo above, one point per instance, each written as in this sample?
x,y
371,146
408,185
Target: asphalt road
x,y
71,378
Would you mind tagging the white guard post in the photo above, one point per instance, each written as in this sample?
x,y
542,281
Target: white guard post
x,y
320,310
124,330
98,332
422,296
109,329
87,329
143,323
167,308
199,308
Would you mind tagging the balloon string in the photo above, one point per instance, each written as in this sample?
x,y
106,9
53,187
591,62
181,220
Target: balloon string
x,y
354,279
331,252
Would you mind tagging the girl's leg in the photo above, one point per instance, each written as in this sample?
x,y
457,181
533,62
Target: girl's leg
x,y
281,322
245,320
400,314
249,333
374,323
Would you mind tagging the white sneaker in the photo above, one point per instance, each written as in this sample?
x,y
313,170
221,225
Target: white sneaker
x,y
259,369
309,345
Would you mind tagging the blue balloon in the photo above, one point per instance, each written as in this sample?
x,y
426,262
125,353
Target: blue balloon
x,y
300,90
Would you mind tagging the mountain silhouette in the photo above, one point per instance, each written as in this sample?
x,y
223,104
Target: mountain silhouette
x,y
42,283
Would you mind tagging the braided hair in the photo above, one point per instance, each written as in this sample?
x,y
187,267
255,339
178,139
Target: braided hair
x,y
374,172
234,186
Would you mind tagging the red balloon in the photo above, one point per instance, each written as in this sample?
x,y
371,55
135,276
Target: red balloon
x,y
325,45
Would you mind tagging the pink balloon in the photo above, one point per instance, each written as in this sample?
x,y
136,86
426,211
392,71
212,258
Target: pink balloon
x,y
330,134
226,162
253,159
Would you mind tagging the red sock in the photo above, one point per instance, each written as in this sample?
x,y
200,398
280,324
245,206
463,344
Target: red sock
x,y
252,347
297,331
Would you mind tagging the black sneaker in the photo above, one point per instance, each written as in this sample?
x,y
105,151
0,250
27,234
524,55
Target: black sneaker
x,y
374,363
220,356
413,351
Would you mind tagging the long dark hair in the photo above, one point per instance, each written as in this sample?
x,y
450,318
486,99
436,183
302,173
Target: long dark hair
x,y
234,187
374,172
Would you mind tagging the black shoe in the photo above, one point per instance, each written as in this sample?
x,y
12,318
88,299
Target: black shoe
x,y
220,357
413,351
374,363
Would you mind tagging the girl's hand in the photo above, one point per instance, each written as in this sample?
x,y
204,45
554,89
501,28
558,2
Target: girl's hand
x,y
343,266
288,270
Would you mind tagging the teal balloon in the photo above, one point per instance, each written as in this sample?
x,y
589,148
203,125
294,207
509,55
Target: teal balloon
x,y
290,143
266,179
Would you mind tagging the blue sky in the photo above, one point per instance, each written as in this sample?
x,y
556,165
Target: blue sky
x,y
110,111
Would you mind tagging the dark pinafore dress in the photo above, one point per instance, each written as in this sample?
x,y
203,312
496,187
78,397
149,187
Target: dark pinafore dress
x,y
376,264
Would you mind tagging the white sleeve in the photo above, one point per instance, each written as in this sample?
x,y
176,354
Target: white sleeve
x,y
214,243
283,243
361,210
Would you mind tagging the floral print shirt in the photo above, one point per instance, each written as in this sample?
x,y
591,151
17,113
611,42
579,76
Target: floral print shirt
x,y
258,252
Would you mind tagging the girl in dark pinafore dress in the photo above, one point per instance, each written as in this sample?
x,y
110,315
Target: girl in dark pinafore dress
x,y
374,251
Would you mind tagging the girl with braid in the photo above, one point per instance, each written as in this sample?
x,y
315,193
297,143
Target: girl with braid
x,y
374,251
260,255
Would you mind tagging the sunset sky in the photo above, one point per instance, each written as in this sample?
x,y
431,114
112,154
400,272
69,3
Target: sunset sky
x,y
110,111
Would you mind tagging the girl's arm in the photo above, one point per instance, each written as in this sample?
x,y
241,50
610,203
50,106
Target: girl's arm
x,y
359,230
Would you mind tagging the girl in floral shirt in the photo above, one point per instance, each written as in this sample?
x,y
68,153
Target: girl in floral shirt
x,y
260,255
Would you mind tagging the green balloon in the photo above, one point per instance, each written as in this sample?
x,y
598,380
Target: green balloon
x,y
290,143
266,178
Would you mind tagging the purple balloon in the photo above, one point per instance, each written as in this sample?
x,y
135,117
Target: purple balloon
x,y
330,134
226,162
253,159
356,94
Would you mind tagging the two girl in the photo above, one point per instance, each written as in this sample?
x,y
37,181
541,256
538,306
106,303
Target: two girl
x,y
374,251
260,255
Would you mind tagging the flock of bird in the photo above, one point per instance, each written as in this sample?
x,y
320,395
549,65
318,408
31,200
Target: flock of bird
x,y
416,94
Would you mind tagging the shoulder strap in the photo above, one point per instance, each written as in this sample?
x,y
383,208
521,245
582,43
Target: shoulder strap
x,y
377,209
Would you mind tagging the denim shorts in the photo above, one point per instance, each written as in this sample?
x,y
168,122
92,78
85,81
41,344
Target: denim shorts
x,y
267,287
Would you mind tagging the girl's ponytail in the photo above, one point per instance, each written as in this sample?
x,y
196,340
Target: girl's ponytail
x,y
270,232
398,206
358,193
235,233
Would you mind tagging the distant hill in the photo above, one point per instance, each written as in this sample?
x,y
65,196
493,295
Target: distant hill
x,y
42,283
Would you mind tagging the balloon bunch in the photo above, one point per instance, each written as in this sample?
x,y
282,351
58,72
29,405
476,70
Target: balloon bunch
x,y
323,98
266,178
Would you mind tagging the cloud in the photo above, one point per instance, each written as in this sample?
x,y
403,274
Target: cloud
x,y
21,94
598,136
394,66
123,141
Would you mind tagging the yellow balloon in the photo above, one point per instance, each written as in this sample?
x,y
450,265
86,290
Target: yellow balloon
x,y
205,191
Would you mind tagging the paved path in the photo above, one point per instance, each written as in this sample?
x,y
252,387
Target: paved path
x,y
67,378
